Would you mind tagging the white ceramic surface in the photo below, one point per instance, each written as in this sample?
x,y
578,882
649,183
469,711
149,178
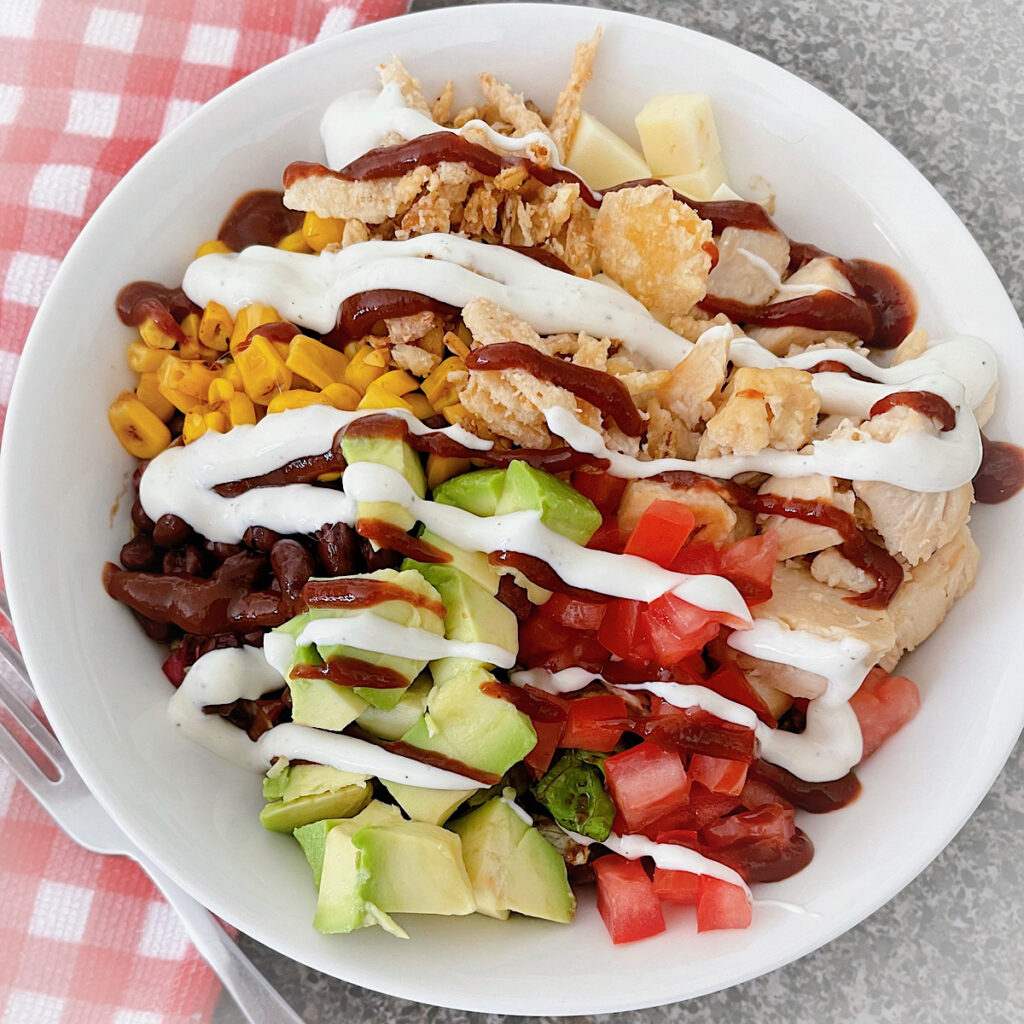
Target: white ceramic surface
x,y
837,184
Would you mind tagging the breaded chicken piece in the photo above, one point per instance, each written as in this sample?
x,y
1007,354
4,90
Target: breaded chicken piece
x,y
775,408
652,245
717,521
696,382
741,278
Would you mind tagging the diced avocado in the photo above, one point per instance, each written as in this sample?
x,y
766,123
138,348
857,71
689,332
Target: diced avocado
x,y
320,704
413,868
473,563
340,906
562,508
472,614
484,732
572,789
433,806
313,837
393,723
396,455
323,704
477,566
512,866
478,492
289,782
288,815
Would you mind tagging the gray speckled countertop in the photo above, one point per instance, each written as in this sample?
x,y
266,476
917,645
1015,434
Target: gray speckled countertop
x,y
943,80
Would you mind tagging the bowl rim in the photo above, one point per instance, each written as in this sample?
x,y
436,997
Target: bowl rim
x,y
18,578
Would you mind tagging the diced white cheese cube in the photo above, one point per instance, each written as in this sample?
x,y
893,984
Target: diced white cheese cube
x,y
677,133
701,183
602,158
723,192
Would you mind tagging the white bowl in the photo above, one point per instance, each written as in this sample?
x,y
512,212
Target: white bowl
x,y
837,184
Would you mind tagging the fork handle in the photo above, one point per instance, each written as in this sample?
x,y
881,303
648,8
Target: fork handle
x,y
256,997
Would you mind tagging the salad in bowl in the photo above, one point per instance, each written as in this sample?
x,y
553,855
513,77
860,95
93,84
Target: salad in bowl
x,y
535,514
478,490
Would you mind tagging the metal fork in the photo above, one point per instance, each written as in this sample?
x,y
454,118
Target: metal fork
x,y
76,810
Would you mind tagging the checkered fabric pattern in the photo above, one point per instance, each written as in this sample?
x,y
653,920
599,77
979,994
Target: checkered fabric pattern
x,y
85,89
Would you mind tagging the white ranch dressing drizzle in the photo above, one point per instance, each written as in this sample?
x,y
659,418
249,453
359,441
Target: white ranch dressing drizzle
x,y
667,856
362,120
309,290
625,576
373,633
222,676
918,461
568,680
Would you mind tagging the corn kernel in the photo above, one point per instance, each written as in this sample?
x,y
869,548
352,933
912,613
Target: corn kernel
x,y
319,232
341,396
215,327
190,377
438,389
398,382
297,398
295,242
143,359
281,348
217,421
352,347
154,337
249,318
377,397
140,430
241,409
264,374
455,414
328,478
148,393
190,326
318,363
195,425
214,245
366,366
421,408
441,468
232,374
221,391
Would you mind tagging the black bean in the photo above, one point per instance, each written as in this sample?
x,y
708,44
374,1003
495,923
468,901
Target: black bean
x,y
337,548
170,531
142,522
260,538
382,559
139,554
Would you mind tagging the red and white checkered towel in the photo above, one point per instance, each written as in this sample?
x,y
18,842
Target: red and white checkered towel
x,y
85,89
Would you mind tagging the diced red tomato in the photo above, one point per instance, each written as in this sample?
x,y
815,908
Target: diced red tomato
x,y
749,565
695,731
620,631
595,723
626,900
676,886
697,560
574,613
603,489
758,792
608,536
730,682
584,651
883,705
646,782
174,665
702,809
721,905
547,713
540,635
718,774
772,822
661,531
678,629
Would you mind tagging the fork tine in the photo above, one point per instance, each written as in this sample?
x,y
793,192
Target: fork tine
x,y
30,774
12,701
13,657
